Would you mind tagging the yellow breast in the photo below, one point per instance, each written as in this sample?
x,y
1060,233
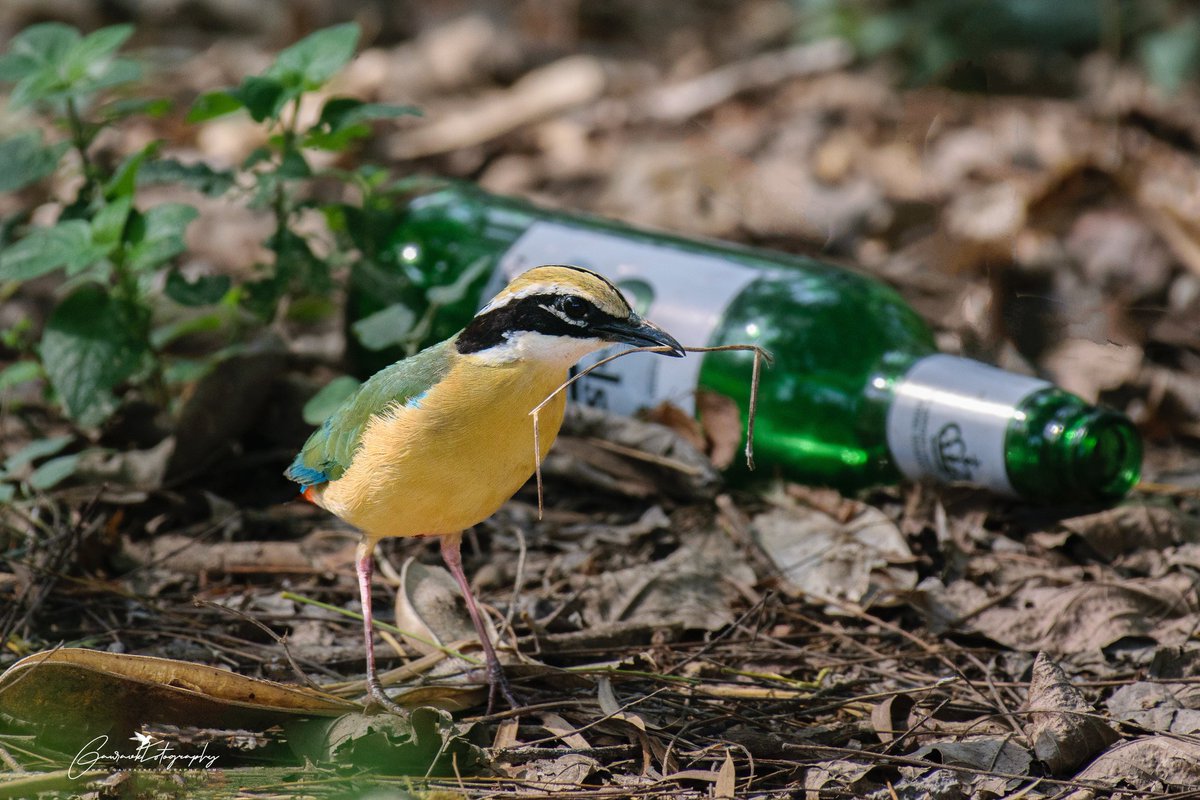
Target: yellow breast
x,y
450,460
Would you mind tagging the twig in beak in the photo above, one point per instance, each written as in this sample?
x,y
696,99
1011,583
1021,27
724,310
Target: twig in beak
x,y
760,355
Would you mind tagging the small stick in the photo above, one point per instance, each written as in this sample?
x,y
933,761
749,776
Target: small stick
x,y
760,355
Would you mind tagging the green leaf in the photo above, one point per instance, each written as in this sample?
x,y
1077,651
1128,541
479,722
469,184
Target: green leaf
x,y
202,323
19,372
153,107
7,493
53,472
36,47
205,290
294,165
38,448
262,296
91,344
198,176
67,244
27,159
211,105
386,327
101,43
1172,56
262,97
316,58
124,181
453,292
343,119
156,235
328,399
109,223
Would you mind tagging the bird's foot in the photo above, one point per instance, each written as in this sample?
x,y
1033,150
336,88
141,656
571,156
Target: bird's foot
x,y
378,699
498,682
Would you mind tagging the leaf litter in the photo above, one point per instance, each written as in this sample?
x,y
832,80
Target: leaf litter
x,y
673,635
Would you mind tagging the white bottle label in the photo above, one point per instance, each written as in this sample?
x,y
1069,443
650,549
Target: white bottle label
x,y
949,419
684,293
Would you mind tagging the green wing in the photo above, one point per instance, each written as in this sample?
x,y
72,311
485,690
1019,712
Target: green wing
x,y
328,452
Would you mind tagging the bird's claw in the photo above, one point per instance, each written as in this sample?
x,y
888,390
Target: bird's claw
x,y
377,698
498,681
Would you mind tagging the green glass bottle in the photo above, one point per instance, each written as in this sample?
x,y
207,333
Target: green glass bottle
x,y
858,395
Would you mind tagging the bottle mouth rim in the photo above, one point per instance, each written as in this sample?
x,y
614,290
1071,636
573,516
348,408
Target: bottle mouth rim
x,y
1105,454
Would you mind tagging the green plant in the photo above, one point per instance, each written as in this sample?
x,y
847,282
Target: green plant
x,y
106,332
280,170
951,41
100,334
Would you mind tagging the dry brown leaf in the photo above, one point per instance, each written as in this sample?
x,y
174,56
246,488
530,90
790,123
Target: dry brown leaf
x,y
1062,725
83,692
862,560
1155,763
890,716
430,607
722,422
726,785
694,586
1162,707
1124,529
1065,616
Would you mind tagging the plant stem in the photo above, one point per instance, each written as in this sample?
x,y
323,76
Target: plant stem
x,y
80,141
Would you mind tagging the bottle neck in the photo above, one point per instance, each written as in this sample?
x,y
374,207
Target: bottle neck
x,y
949,419
1064,450
955,420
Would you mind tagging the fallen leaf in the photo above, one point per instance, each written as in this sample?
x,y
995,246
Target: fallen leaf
x,y
726,785
430,607
1121,530
991,753
1062,725
862,560
1151,764
426,741
722,422
80,693
1059,614
1162,707
694,586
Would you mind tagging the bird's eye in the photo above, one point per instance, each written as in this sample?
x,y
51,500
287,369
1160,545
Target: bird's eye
x,y
573,307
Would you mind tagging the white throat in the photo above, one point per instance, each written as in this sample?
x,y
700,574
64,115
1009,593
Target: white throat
x,y
534,346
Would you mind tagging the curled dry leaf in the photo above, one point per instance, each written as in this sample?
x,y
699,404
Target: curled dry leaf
x,y
722,427
85,692
890,716
430,608
1062,725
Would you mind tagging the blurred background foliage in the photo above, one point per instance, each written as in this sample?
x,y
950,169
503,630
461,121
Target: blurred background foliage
x,y
990,45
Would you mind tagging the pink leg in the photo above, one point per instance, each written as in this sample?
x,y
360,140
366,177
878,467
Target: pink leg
x,y
452,555
364,564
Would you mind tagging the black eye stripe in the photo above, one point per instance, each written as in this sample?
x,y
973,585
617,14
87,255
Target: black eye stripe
x,y
541,313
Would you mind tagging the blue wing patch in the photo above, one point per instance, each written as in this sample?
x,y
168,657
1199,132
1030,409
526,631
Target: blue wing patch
x,y
305,476
415,400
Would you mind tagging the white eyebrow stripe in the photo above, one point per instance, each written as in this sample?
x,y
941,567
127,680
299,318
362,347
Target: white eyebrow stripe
x,y
535,288
578,323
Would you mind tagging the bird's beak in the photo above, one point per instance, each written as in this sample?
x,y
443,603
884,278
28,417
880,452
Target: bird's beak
x,y
642,333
